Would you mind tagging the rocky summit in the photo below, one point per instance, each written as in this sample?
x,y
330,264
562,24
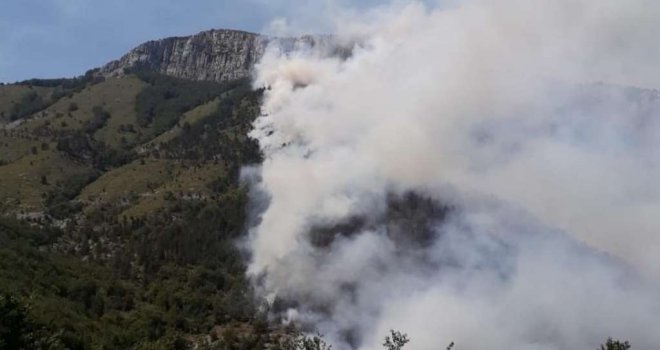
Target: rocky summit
x,y
219,55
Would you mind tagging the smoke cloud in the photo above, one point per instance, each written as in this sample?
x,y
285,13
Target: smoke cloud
x,y
485,172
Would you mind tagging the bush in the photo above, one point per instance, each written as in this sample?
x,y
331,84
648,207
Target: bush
x,y
14,325
612,344
97,121
396,340
19,331
59,202
27,105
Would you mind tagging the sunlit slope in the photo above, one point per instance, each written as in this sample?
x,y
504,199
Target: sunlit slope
x,y
116,96
11,96
25,182
133,143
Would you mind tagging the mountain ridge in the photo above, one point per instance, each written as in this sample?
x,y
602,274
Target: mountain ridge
x,y
218,54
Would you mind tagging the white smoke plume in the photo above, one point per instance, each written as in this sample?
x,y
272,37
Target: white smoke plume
x,y
531,127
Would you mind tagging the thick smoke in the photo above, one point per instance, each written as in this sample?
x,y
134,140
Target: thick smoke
x,y
482,173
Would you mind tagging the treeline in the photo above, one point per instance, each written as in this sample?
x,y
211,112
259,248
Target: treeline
x,y
162,103
29,104
33,102
75,84
170,273
221,134
59,202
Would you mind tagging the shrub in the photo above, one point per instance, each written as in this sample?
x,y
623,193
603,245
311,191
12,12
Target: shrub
x,y
27,105
97,121
612,344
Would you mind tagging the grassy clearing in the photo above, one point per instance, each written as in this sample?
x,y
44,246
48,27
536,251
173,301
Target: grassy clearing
x,y
25,181
13,148
115,95
188,182
122,112
11,94
144,188
129,180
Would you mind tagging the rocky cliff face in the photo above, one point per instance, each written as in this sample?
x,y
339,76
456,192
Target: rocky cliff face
x,y
219,55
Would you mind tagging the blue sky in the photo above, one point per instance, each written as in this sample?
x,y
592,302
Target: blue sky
x,y
63,38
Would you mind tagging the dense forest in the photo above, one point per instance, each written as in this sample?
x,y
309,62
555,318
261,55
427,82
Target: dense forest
x,y
92,274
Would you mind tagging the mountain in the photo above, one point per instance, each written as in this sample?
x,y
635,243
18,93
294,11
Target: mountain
x,y
121,199
219,55
121,202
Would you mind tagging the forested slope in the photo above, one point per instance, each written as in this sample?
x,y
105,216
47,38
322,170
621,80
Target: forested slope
x,y
121,205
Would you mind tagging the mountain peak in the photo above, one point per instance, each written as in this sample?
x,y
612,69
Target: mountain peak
x,y
216,54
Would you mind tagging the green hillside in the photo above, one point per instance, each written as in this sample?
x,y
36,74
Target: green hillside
x,y
121,205
14,99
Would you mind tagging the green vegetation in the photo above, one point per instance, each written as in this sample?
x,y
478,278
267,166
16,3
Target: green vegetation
x,y
15,100
127,238
31,96
174,289
22,186
612,344
76,111
165,99
191,117
30,103
59,202
19,331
